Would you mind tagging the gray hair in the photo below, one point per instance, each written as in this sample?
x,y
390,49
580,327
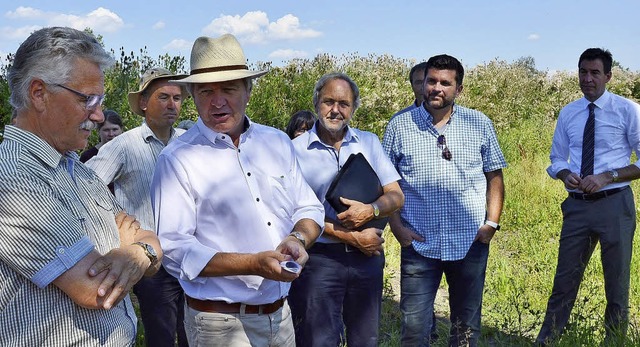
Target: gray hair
x,y
336,76
50,54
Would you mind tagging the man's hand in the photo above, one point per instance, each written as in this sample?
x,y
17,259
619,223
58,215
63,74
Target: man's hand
x,y
267,265
292,247
485,234
124,267
405,235
571,181
356,215
128,227
369,241
593,183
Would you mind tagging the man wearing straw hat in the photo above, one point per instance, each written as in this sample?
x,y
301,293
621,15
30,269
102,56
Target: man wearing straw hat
x,y
128,161
230,206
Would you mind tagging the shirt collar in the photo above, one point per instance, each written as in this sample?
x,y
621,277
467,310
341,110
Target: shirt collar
x,y
429,117
600,102
147,133
313,138
40,148
215,136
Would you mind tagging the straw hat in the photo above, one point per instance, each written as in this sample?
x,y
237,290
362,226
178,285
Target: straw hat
x,y
149,76
218,60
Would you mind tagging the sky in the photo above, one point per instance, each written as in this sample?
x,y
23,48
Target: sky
x,y
554,33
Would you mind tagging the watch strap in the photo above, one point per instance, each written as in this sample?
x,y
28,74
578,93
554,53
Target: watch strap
x,y
298,235
492,224
376,210
151,254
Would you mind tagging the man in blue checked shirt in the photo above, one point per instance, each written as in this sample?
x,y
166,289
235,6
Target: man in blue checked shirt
x,y
450,164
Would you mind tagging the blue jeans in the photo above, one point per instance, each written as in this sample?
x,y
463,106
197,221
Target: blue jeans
x,y
420,279
161,301
338,289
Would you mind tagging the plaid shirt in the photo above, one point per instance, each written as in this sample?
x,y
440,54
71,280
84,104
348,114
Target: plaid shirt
x,y
445,200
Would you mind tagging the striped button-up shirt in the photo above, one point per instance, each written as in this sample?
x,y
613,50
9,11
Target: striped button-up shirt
x,y
129,161
53,212
445,200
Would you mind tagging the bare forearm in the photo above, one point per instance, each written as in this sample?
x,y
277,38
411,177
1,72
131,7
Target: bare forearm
x,y
147,236
309,229
628,173
495,195
392,199
335,230
230,264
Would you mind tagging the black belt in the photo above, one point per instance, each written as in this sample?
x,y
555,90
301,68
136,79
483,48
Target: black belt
x,y
598,195
341,247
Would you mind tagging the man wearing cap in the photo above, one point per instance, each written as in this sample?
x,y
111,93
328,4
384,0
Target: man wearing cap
x,y
68,255
230,205
129,161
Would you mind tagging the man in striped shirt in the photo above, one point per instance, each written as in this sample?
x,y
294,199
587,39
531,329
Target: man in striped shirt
x,y
129,161
68,255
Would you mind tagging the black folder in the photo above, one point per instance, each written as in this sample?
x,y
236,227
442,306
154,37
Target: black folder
x,y
356,181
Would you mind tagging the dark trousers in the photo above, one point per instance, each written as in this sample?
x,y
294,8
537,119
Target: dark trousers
x,y
612,221
162,309
337,290
420,279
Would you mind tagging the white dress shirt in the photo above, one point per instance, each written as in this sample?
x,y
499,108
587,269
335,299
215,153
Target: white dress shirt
x,y
209,196
617,134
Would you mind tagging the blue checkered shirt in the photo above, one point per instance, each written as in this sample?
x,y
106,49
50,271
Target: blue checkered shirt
x,y
445,201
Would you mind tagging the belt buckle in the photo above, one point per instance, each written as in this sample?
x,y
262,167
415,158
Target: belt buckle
x,y
349,249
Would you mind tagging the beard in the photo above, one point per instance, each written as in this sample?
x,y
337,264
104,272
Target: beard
x,y
439,105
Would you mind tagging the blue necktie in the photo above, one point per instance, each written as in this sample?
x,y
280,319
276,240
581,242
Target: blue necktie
x,y
588,143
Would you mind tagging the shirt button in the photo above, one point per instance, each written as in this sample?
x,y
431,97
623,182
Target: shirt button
x,y
61,250
258,199
248,173
269,223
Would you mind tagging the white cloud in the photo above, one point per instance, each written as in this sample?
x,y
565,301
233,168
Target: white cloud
x,y
101,20
159,25
287,54
255,27
288,27
178,45
533,37
25,13
21,33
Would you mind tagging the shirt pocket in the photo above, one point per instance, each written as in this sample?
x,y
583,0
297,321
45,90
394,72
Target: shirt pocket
x,y
280,191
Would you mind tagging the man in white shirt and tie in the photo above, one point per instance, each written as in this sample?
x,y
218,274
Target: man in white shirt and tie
x,y
600,205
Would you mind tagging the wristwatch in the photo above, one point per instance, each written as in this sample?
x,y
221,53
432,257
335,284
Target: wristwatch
x,y
300,238
492,224
614,175
376,210
148,251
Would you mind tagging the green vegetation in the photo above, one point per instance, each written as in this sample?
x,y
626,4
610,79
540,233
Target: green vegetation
x,y
523,103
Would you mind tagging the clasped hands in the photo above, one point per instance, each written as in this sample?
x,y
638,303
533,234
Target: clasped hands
x,y
124,266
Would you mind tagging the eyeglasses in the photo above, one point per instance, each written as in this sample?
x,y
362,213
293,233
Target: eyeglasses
x,y
442,144
92,101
